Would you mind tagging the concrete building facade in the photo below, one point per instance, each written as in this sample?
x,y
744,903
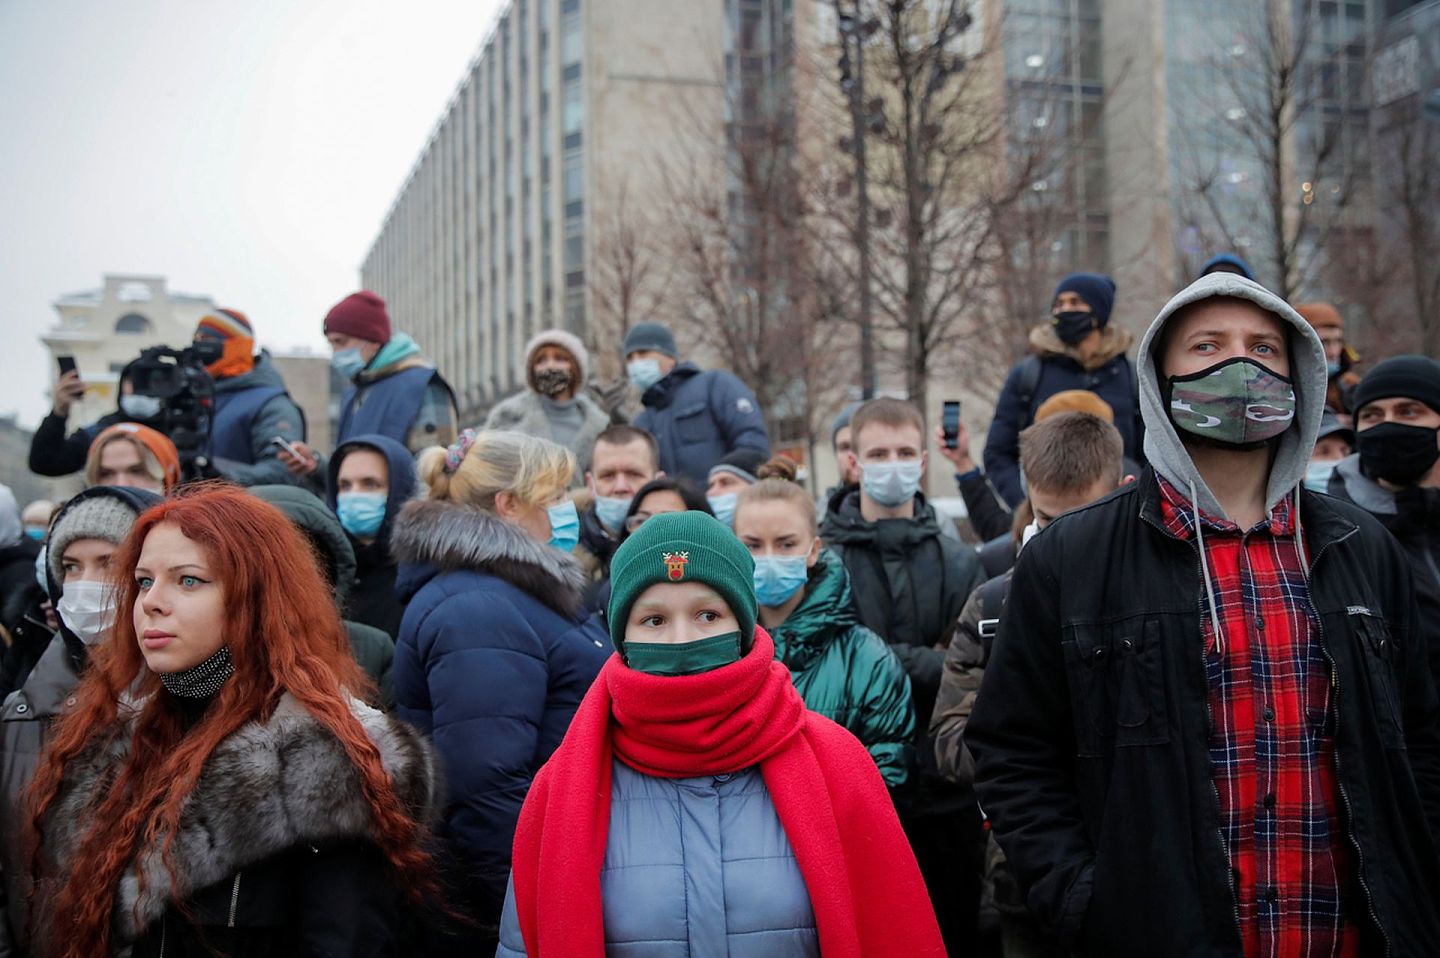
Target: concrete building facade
x,y
566,110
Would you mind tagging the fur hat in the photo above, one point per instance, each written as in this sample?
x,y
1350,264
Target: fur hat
x,y
566,341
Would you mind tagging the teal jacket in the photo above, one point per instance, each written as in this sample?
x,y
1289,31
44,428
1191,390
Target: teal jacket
x,y
848,673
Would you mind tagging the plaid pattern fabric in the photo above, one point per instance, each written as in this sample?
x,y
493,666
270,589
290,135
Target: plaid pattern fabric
x,y
1272,741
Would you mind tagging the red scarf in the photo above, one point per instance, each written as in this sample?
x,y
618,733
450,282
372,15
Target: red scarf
x,y
865,888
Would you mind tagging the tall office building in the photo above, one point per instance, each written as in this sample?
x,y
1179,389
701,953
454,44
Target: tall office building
x,y
569,113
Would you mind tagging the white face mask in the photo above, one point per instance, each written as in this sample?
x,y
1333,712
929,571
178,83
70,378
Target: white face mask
x,y
1031,531
88,609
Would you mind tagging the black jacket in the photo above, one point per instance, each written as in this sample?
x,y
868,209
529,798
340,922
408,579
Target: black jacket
x,y
52,453
1090,734
1412,516
910,583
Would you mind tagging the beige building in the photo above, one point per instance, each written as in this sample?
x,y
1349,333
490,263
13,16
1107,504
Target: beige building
x,y
569,107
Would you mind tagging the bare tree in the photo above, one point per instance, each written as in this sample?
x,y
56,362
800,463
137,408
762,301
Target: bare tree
x,y
1279,180
629,279
1413,191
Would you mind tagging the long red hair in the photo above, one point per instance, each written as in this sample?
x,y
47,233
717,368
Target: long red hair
x,y
284,635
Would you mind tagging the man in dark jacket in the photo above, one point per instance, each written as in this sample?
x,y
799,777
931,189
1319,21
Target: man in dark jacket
x,y
624,460
697,416
910,583
1395,476
1076,349
374,650
1206,728
52,452
368,479
252,406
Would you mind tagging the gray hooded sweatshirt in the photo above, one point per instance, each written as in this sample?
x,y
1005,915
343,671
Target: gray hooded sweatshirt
x,y
1163,447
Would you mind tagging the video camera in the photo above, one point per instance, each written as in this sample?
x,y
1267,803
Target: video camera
x,y
177,378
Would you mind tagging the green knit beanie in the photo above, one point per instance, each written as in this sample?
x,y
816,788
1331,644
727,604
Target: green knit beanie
x,y
682,547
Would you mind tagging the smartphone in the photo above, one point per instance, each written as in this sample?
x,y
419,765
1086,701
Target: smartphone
x,y
66,364
278,444
950,422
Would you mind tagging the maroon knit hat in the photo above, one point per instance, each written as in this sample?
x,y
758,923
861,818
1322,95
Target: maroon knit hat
x,y
361,315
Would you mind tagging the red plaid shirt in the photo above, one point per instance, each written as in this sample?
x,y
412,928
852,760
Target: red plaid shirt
x,y
1272,740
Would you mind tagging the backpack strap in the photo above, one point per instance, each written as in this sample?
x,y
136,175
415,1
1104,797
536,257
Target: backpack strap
x,y
1029,382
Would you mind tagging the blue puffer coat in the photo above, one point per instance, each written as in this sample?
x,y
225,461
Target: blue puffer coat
x,y
494,656
698,417
695,868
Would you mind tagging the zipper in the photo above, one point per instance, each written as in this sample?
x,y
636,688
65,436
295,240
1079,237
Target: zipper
x,y
235,898
1210,730
163,926
1339,770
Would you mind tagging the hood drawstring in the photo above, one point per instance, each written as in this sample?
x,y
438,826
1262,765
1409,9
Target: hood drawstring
x,y
1205,571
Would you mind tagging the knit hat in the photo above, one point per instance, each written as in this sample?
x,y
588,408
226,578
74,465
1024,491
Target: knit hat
x,y
1097,291
1410,377
231,327
682,547
1330,425
566,341
157,443
843,420
361,315
1075,400
744,463
1227,263
106,517
654,336
1321,316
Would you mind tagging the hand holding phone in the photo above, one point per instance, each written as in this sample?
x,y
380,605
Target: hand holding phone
x,y
950,423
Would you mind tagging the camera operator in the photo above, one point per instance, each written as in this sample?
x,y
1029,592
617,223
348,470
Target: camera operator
x,y
252,406
52,453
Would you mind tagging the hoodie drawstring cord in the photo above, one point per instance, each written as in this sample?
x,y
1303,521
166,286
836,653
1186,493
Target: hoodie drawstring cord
x,y
1205,571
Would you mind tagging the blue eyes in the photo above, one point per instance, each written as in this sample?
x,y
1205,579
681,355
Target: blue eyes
x,y
186,581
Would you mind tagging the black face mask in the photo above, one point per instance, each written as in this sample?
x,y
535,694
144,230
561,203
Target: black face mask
x,y
552,382
1072,325
1397,453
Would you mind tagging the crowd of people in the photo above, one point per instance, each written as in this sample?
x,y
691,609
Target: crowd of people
x,y
568,684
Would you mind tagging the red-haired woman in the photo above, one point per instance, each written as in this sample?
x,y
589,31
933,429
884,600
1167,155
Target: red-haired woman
x,y
219,788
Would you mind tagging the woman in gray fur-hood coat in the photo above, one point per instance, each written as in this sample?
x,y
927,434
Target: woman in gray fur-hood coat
x,y
273,855
494,655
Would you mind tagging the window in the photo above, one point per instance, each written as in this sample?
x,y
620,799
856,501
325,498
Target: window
x,y
132,323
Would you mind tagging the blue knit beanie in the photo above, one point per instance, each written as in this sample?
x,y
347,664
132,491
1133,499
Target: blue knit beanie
x,y
1097,291
1219,262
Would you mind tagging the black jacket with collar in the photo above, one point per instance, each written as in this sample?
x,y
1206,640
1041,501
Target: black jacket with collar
x,y
1091,730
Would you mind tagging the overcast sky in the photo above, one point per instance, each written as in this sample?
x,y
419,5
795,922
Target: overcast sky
x,y
246,151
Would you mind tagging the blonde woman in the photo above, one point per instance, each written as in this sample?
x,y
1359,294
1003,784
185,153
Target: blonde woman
x,y
495,649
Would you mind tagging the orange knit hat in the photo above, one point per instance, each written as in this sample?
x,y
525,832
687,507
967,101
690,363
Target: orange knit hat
x,y
1075,400
156,443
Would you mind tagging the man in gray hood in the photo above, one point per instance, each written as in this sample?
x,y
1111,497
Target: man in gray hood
x,y
1207,727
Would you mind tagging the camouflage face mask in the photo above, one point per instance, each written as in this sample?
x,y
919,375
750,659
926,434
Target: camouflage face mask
x,y
1236,403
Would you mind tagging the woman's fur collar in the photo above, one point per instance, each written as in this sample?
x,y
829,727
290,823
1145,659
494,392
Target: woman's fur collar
x,y
270,786
463,537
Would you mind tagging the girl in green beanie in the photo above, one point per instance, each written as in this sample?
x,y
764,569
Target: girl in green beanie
x,y
696,805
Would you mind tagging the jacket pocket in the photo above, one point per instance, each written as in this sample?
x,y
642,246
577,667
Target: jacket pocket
x,y
693,425
1380,657
1117,685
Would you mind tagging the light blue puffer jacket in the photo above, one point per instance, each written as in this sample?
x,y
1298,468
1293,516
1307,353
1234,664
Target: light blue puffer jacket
x,y
695,868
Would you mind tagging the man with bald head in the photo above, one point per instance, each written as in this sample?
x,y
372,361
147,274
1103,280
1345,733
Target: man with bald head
x,y
1207,726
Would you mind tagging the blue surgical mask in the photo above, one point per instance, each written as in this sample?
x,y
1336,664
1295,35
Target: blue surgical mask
x,y
348,362
564,526
1317,474
644,373
724,507
35,532
778,578
891,484
361,513
611,512
140,407
40,575
1332,369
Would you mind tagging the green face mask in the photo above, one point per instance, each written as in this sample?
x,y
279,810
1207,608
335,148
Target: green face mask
x,y
1235,403
689,658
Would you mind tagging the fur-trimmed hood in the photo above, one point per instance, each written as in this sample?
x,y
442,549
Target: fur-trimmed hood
x,y
268,787
449,537
1114,341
